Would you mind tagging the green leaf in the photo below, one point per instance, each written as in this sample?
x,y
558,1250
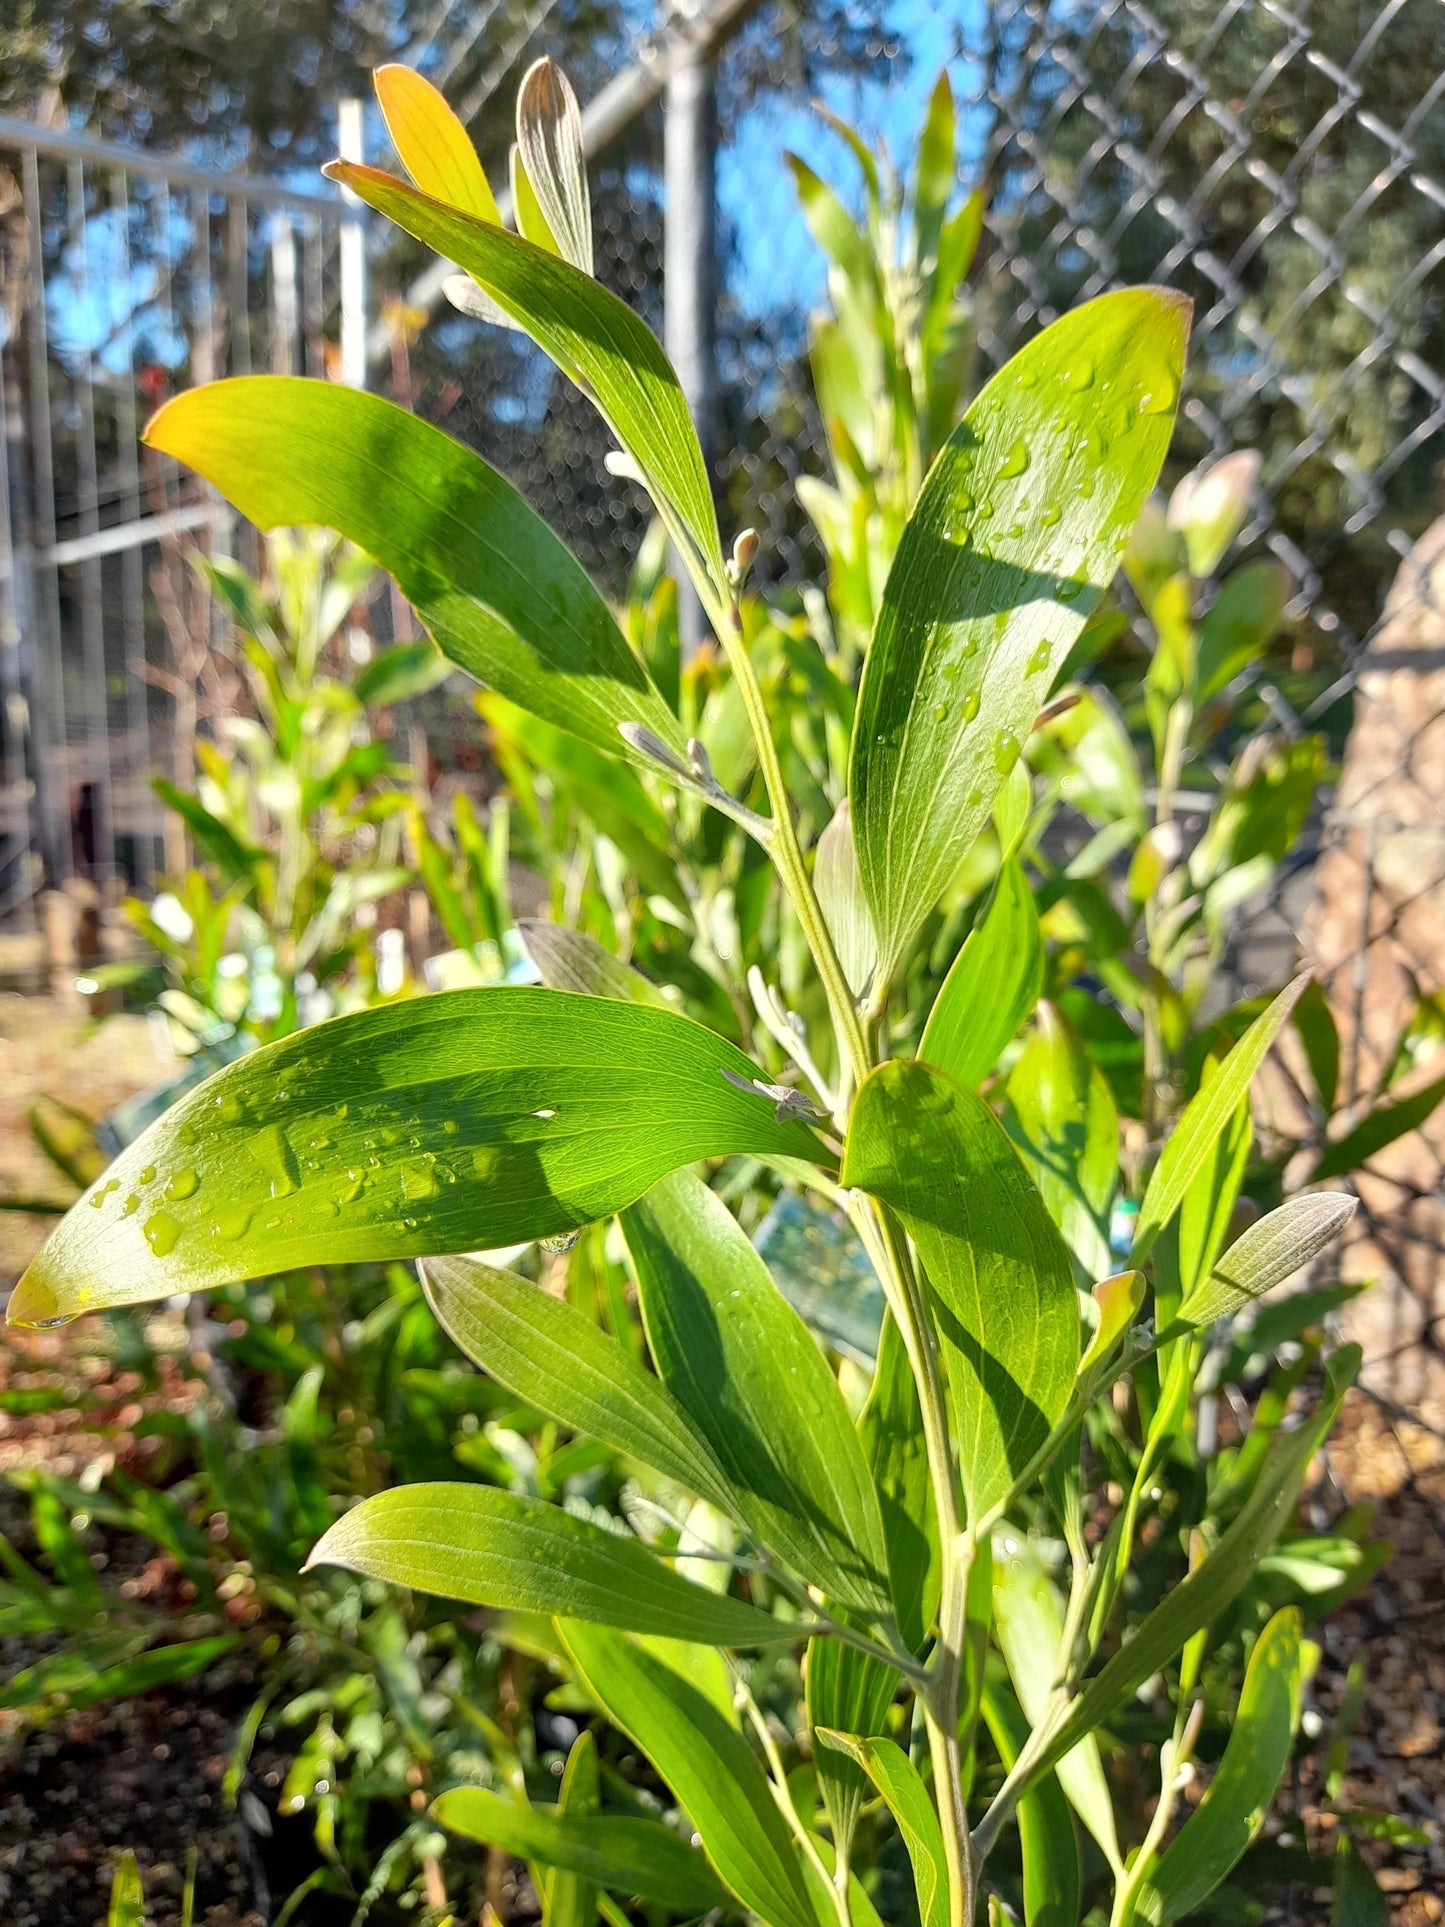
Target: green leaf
x,y
1029,1624
841,899
1268,1253
488,1547
1117,1299
937,169
1318,1032
554,1357
851,1692
571,960
500,595
127,1895
1063,1119
1047,1844
1204,1594
640,1858
742,1364
1016,535
1261,1735
707,1763
1208,1205
1238,624
588,332
891,1430
1382,1126
992,985
397,674
900,1783
1205,1116
569,1898
459,1122
236,860
1006,1306
1357,1900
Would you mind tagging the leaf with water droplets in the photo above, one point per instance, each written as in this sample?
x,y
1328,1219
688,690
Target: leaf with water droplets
x,y
460,1122
1015,537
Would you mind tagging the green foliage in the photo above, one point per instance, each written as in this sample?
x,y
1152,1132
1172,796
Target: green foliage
x,y
792,951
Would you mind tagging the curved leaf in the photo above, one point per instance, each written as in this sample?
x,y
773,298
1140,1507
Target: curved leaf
x,y
431,143
992,985
587,331
625,1855
459,1122
551,1355
707,1763
901,1784
1015,536
1063,1118
1245,1782
501,596
747,1371
1053,1886
1268,1253
1006,1305
488,1547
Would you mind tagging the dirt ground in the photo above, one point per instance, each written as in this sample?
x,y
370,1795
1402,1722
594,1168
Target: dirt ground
x,y
146,1773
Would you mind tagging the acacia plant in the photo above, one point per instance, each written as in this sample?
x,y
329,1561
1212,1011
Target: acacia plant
x,y
907,1550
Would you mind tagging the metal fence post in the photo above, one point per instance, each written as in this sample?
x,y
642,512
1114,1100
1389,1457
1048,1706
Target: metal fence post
x,y
350,139
690,267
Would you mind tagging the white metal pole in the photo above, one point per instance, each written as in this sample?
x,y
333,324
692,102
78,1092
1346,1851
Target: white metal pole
x,y
350,131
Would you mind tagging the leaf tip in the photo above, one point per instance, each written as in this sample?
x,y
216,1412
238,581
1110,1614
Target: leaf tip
x,y
37,1303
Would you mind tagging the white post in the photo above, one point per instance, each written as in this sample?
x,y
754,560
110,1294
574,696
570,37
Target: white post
x,y
350,132
689,281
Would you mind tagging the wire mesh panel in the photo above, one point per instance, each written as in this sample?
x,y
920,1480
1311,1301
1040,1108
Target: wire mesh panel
x,y
125,280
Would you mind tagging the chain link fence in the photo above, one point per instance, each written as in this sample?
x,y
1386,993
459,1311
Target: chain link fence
x,y
1282,165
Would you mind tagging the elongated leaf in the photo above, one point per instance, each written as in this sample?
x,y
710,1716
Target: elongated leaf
x,y
1015,536
571,960
549,143
1356,1899
992,985
1245,1782
628,1856
488,1547
1383,1126
1029,1623
127,1894
1268,1253
1007,1309
460,1122
852,1692
501,596
236,861
708,1765
569,1899
841,899
407,669
1047,1846
431,143
1062,1117
1205,1116
891,1431
549,1354
587,331
1208,1206
1222,1575
745,1368
899,1781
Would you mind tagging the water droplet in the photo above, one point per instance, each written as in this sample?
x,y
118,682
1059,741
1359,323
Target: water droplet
x,y
1086,488
985,511
161,1231
968,644
355,1183
940,713
268,1146
230,1109
1161,395
148,1174
1070,591
1078,374
51,1324
232,1221
1016,529
184,1184
1049,517
418,1181
563,1242
1005,751
111,1184
970,705
974,798
546,1116
1039,659
1017,459
450,1126
131,1205
341,1110
1027,377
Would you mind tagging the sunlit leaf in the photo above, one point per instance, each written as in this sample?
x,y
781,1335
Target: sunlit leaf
x,y
459,1122
750,1376
1047,1843
488,1547
549,144
1062,1117
1380,1127
992,985
1270,1251
902,1787
431,143
1014,538
502,597
1006,1305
